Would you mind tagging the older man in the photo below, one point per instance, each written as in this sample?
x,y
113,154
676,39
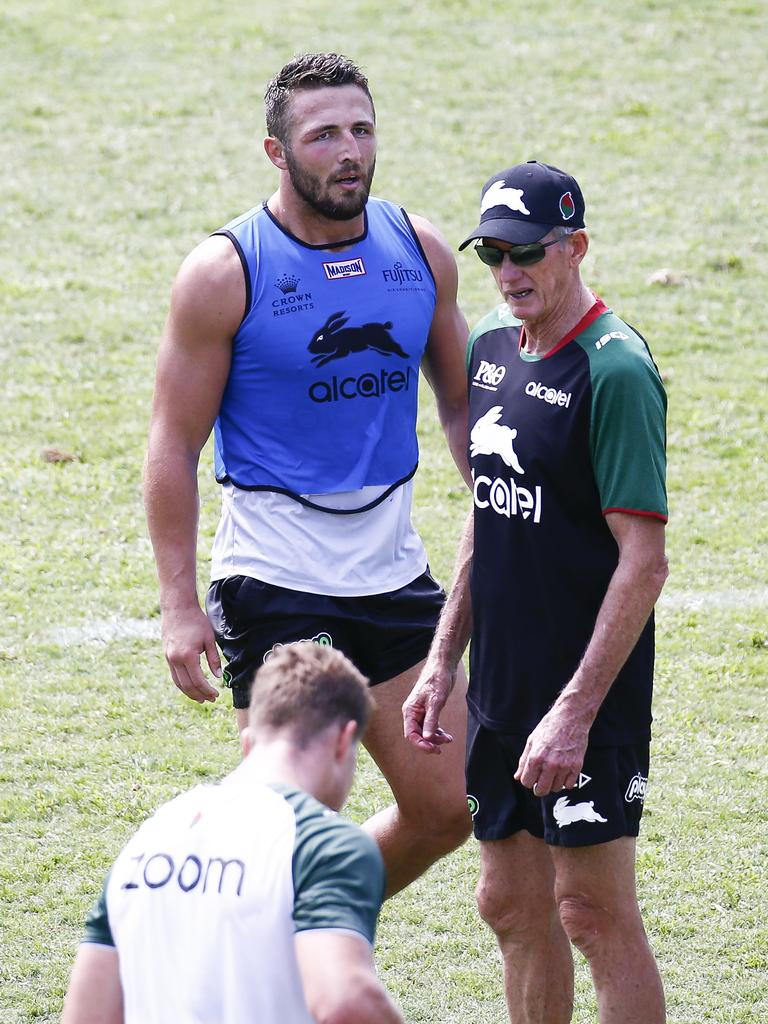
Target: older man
x,y
250,900
567,449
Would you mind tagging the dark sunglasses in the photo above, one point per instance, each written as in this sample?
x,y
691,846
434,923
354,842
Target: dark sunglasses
x,y
520,255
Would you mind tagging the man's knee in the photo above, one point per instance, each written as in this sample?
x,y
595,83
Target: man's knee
x,y
510,914
446,825
582,920
596,928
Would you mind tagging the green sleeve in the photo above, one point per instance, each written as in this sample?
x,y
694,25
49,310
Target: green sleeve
x,y
338,873
97,928
628,426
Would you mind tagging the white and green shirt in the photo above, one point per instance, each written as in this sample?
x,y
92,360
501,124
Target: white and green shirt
x,y
204,901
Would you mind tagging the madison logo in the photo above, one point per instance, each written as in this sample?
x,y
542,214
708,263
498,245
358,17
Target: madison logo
x,y
499,194
335,341
339,270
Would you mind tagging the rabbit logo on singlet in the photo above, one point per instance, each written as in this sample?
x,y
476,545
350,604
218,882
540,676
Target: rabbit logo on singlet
x,y
334,340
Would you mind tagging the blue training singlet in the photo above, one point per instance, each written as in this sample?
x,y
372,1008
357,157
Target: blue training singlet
x,y
322,392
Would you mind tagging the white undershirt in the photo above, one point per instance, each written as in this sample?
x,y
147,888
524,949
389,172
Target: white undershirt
x,y
271,537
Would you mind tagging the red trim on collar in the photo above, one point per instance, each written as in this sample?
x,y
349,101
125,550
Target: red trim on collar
x,y
594,311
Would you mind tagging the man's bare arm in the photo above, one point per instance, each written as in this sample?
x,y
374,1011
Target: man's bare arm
x,y
340,983
554,752
421,711
207,305
94,995
444,359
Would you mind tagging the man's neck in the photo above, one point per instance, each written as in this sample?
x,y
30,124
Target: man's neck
x,y
308,225
540,337
279,760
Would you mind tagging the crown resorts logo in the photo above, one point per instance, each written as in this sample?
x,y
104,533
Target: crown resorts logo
x,y
293,301
567,206
287,283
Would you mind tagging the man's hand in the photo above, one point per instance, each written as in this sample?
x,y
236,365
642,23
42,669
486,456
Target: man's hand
x,y
421,711
554,752
187,635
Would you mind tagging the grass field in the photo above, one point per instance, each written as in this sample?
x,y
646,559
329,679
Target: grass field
x,y
132,130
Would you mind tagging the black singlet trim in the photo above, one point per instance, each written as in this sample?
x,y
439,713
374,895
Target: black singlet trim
x,y
246,271
321,508
323,245
417,240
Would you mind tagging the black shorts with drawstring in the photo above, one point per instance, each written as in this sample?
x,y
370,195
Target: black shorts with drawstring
x,y
382,634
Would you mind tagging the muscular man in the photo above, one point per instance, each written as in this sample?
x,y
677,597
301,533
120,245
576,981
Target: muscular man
x,y
567,448
297,333
250,899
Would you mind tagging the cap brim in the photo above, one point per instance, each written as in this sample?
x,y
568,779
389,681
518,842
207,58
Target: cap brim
x,y
507,229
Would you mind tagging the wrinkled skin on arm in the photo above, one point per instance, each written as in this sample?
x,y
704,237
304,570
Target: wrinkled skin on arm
x,y
554,752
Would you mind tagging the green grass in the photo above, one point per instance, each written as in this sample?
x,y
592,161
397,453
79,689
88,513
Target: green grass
x,y
132,130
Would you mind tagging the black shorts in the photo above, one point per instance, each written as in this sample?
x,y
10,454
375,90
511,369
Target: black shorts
x,y
383,634
607,804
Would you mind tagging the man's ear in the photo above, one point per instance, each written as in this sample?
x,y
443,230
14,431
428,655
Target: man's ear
x,y
247,740
275,150
579,244
346,738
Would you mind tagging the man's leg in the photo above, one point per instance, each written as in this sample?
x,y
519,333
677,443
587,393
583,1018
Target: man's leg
x,y
430,817
596,897
515,896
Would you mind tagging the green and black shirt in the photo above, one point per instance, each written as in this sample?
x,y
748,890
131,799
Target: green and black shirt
x,y
555,444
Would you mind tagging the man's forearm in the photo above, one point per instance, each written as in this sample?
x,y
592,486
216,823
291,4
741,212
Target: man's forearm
x,y
455,626
455,424
171,502
625,610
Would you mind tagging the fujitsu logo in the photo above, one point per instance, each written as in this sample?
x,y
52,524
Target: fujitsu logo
x,y
400,274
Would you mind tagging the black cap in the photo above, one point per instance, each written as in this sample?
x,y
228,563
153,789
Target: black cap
x,y
523,204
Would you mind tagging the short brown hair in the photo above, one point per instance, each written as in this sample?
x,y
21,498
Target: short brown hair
x,y
307,71
304,688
